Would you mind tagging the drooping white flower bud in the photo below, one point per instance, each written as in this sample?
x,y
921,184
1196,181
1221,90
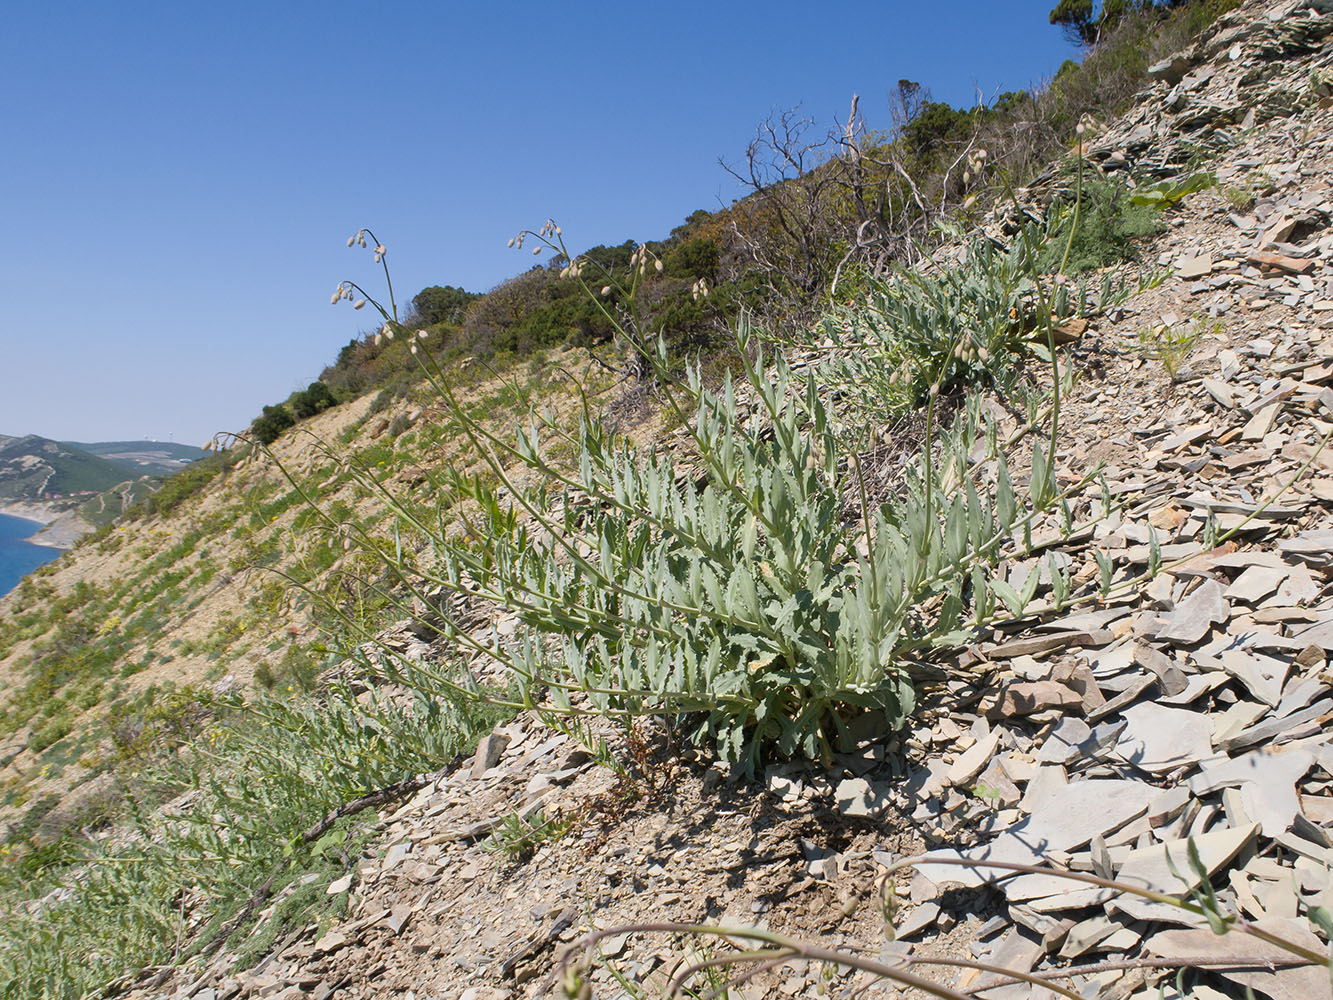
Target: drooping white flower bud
x,y
359,304
351,241
336,296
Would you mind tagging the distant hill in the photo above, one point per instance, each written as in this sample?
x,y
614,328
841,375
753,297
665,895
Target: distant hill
x,y
37,468
34,468
156,457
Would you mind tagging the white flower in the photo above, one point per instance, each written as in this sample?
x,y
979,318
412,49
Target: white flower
x,y
422,334
351,240
336,296
358,304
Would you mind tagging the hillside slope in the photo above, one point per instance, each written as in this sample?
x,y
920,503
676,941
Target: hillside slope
x,y
191,597
1093,731
1114,726
36,468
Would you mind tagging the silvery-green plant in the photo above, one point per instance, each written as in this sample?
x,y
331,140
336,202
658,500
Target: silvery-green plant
x,y
962,325
744,586
257,782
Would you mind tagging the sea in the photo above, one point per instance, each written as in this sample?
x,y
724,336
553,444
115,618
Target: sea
x,y
18,556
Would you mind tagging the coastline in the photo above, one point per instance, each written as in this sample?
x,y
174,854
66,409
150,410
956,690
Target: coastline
x,y
60,529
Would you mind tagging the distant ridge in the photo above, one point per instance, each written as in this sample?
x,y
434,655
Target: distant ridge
x,y
160,457
37,468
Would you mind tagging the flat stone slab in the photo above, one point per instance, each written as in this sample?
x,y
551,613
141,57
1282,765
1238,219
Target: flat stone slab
x,y
1149,868
1066,817
1063,743
1267,779
974,759
1190,623
1160,739
1309,982
858,797
1256,583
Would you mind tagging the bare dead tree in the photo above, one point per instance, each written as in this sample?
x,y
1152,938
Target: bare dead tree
x,y
788,226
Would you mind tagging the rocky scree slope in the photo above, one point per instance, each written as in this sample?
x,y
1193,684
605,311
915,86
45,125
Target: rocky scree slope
x,y
1097,741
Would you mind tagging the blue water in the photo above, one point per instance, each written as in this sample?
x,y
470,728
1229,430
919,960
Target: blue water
x,y
19,557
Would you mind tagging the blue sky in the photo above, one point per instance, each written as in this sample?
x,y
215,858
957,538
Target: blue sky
x,y
179,179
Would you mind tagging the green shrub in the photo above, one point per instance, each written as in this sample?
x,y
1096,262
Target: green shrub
x,y
965,326
178,488
57,728
313,399
1106,228
1168,194
271,423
